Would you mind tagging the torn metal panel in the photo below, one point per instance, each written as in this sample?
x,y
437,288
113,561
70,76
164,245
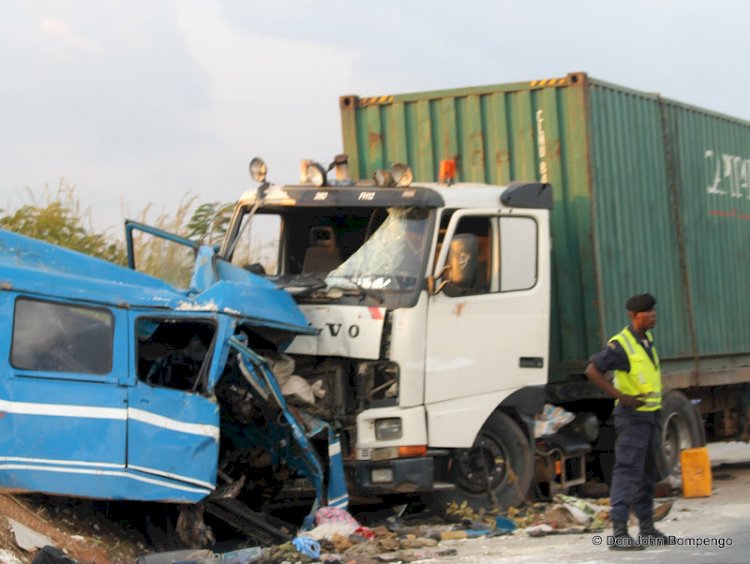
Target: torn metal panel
x,y
308,464
258,305
306,460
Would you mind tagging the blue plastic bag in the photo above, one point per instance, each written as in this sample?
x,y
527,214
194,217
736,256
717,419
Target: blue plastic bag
x,y
307,546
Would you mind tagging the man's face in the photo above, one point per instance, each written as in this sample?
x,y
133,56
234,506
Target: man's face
x,y
645,319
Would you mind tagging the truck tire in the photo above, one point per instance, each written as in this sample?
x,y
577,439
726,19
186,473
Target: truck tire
x,y
681,428
503,449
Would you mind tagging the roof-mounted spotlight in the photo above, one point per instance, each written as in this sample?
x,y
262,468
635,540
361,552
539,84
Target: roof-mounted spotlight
x,y
258,169
383,178
341,165
316,174
402,174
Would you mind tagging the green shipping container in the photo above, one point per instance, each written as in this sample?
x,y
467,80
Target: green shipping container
x,y
650,195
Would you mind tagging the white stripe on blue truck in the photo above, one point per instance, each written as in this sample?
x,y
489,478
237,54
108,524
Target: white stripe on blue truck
x,y
113,413
96,472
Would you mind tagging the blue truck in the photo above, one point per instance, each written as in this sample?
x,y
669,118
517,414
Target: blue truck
x,y
117,385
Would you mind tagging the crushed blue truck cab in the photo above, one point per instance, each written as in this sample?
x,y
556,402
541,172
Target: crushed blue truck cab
x,y
116,385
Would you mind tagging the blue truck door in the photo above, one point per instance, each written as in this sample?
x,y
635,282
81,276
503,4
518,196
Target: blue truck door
x,y
63,409
172,428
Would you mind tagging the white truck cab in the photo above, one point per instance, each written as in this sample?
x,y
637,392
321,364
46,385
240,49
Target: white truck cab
x,y
432,305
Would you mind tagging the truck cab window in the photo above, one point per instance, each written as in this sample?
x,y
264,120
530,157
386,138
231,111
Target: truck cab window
x,y
481,229
174,353
60,337
259,245
518,252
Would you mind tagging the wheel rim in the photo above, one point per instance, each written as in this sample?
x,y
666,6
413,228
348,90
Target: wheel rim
x,y
675,437
471,473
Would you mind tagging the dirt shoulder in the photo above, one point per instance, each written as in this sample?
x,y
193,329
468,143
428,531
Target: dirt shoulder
x,y
79,527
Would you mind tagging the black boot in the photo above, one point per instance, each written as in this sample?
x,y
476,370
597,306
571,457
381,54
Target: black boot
x,y
621,540
650,535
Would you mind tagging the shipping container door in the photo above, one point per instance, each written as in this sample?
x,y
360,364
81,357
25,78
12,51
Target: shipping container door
x,y
173,427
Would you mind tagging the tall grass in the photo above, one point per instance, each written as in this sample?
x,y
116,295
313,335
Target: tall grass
x,y
57,216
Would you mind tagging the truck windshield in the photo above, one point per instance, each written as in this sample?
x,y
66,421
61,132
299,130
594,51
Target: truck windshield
x,y
392,257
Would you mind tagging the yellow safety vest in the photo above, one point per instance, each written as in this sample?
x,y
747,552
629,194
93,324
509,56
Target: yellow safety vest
x,y
644,376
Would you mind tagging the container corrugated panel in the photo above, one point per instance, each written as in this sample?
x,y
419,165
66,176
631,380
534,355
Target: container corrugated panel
x,y
635,207
636,242
711,159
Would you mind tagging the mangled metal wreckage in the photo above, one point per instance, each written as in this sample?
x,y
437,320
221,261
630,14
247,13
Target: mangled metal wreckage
x,y
117,385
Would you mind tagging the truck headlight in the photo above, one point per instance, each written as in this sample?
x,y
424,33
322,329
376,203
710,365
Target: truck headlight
x,y
381,475
388,429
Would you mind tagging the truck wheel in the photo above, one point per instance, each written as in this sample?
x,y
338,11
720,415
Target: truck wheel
x,y
500,455
681,428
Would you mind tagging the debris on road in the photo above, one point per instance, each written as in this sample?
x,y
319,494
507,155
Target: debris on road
x,y
27,538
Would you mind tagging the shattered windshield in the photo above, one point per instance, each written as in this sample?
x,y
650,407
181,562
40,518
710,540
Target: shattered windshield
x,y
393,256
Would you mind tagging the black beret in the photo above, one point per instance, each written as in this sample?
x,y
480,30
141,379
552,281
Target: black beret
x,y
641,302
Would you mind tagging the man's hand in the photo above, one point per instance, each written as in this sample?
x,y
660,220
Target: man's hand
x,y
597,378
631,401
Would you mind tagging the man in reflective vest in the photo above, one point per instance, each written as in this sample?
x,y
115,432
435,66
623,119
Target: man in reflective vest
x,y
637,389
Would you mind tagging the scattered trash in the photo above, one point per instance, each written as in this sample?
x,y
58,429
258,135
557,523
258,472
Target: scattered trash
x,y
453,535
326,531
476,533
584,512
413,555
175,556
539,530
662,510
550,420
364,532
334,515
561,516
28,539
503,524
332,521
307,546
7,557
418,542
242,556
339,537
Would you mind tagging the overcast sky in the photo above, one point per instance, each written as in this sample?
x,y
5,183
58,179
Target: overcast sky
x,y
145,101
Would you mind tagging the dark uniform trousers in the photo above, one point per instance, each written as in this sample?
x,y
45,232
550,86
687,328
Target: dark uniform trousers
x,y
636,471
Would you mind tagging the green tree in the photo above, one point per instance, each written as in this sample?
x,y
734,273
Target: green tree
x,y
57,217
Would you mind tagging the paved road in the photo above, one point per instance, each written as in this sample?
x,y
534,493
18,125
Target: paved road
x,y
721,520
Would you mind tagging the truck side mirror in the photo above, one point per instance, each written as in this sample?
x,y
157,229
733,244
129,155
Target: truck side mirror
x,y
460,269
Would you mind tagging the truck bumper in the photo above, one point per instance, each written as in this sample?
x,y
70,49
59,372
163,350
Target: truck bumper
x,y
401,475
